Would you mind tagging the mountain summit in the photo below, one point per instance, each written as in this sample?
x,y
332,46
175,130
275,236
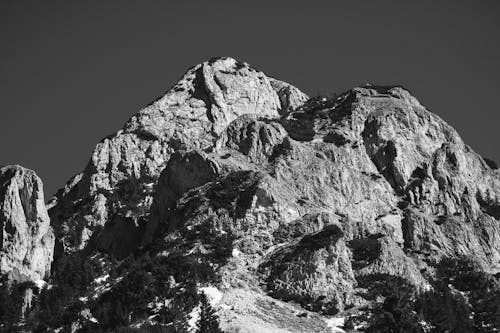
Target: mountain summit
x,y
236,202
114,192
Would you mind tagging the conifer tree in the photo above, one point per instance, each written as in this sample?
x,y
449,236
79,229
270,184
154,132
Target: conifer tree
x,y
11,301
209,321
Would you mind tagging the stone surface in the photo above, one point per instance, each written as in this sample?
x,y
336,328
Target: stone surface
x,y
27,240
334,202
335,205
118,182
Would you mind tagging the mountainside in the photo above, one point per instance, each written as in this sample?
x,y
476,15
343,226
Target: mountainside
x,y
116,188
27,240
236,203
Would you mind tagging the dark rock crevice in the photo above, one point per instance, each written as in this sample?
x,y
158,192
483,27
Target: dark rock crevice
x,y
200,92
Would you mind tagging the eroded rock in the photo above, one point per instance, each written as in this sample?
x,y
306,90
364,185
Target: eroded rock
x,y
27,240
118,182
334,204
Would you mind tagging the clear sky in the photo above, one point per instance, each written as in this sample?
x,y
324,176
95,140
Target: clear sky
x,y
72,72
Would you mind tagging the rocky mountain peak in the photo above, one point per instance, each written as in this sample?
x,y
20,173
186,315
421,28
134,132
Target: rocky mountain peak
x,y
116,188
216,92
27,240
294,214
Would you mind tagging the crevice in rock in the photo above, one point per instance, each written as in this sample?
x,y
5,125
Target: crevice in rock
x,y
365,250
336,138
219,83
383,158
145,135
488,207
201,93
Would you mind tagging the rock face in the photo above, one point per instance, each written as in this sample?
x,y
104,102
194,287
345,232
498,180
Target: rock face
x,y
27,240
333,204
332,199
116,187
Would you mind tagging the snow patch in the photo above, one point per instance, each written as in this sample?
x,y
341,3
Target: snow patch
x,y
235,252
274,247
193,316
335,324
213,294
87,315
40,284
101,279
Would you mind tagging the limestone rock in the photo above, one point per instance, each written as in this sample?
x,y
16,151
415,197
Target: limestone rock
x,y
254,138
316,272
118,182
27,240
334,203
290,97
338,205
184,171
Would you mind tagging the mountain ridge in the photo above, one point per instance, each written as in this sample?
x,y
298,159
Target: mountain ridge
x,y
297,214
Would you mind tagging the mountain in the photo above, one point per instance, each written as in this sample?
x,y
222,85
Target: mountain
x,y
27,239
114,192
236,203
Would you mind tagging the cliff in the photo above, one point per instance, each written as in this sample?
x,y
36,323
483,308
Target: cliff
x,y
358,212
27,240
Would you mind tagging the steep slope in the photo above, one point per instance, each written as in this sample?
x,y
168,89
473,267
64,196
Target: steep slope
x,y
330,200
361,212
27,240
114,193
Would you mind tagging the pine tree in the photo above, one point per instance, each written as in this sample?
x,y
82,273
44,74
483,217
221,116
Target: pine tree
x,y
6,307
11,302
209,321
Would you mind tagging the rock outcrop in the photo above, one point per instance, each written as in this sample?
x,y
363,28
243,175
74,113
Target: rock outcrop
x,y
309,208
334,198
118,183
27,240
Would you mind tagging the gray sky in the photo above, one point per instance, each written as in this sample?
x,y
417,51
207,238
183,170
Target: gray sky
x,y
72,72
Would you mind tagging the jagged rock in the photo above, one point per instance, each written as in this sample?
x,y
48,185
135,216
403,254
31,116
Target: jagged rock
x,y
254,138
434,238
27,240
184,171
290,97
376,257
342,199
118,182
332,203
316,271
